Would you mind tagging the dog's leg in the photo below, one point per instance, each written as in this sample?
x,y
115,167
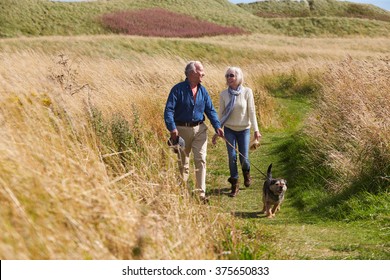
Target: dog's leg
x,y
275,208
268,210
264,208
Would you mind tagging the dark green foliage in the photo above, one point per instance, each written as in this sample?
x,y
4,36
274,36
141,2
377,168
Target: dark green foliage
x,y
117,139
291,84
123,138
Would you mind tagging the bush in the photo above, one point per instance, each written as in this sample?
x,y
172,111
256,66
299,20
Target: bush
x,y
163,23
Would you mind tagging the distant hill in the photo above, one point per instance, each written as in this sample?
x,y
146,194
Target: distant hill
x,y
322,17
315,8
304,18
44,17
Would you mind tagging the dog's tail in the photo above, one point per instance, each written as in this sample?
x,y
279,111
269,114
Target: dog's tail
x,y
269,172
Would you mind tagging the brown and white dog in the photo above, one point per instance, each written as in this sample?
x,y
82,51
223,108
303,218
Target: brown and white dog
x,y
273,194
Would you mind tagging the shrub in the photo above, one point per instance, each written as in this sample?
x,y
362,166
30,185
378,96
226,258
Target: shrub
x,y
162,23
294,84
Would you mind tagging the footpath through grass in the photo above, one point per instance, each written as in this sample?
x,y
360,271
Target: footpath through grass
x,y
294,233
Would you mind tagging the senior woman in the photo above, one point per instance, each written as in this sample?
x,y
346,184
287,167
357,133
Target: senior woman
x,y
237,114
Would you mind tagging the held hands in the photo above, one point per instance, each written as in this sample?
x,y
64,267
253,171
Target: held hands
x,y
219,133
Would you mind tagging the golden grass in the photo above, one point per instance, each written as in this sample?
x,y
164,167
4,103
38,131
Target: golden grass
x,y
59,200
350,125
67,195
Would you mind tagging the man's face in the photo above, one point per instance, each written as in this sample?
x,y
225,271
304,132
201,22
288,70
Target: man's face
x,y
198,74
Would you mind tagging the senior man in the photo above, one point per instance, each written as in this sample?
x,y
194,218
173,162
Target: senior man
x,y
188,103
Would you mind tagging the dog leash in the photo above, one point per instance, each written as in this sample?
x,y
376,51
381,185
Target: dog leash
x,y
223,137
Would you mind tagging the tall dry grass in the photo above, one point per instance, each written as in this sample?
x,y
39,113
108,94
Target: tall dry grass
x,y
85,173
69,189
350,127
84,169
65,192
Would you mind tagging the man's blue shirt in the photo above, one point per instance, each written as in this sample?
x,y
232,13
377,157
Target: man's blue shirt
x,y
180,106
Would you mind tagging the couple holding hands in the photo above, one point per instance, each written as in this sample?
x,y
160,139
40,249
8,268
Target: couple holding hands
x,y
189,101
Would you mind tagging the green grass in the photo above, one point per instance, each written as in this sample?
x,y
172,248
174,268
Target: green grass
x,y
313,223
43,17
322,18
316,8
330,26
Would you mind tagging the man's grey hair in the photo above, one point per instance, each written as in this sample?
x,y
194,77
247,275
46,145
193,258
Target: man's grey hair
x,y
236,71
191,66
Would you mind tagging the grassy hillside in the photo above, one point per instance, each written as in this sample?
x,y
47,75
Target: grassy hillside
x,y
320,18
316,8
43,17
330,26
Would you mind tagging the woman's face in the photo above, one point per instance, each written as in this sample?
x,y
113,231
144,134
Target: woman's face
x,y
231,79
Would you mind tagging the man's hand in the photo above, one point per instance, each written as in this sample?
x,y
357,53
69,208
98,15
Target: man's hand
x,y
174,134
219,133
